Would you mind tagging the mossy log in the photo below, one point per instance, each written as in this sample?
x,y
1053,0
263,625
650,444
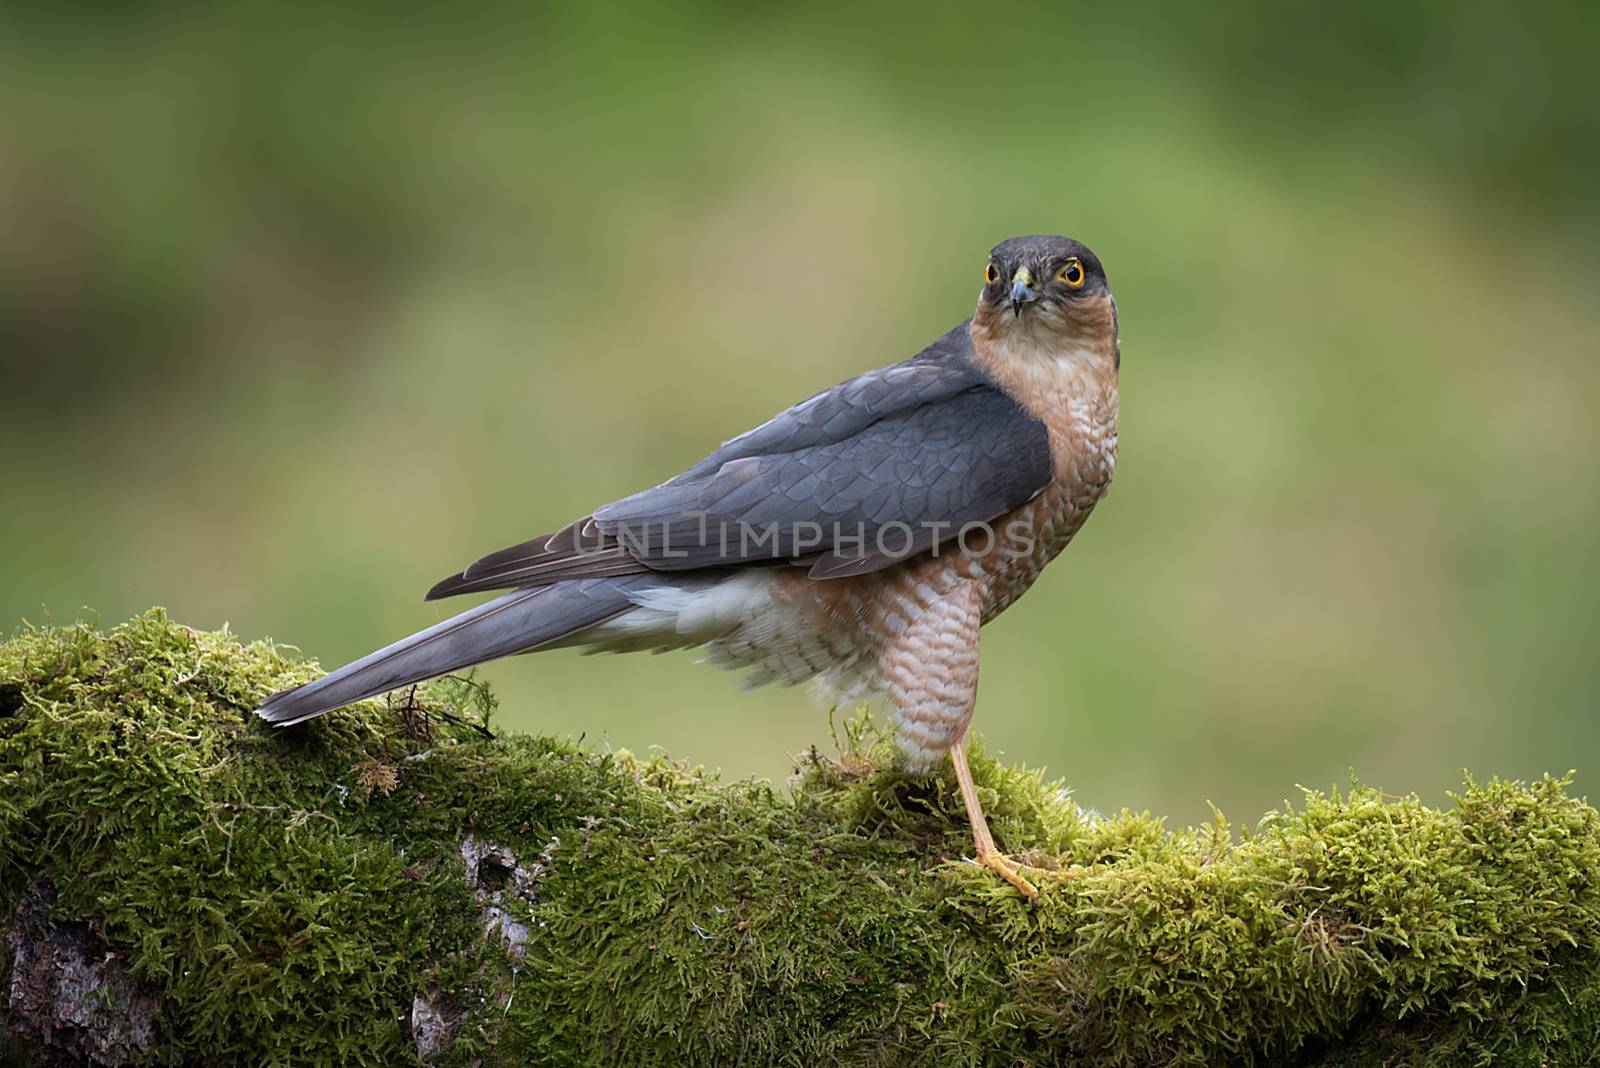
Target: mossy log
x,y
396,882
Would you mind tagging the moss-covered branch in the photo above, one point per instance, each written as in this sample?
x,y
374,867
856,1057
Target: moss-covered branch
x,y
392,877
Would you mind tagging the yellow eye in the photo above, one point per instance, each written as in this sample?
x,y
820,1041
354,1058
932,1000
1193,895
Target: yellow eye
x,y
991,274
1071,275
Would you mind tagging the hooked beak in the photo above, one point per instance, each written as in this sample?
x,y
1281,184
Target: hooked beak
x,y
1022,291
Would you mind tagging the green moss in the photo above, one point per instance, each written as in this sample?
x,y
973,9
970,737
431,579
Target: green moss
x,y
289,892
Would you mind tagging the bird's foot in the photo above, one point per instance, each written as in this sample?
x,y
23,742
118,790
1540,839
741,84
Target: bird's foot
x,y
1002,866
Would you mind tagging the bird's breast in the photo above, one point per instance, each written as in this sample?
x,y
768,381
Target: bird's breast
x,y
1084,452
1075,396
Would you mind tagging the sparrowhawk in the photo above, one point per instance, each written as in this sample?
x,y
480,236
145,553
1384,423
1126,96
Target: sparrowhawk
x,y
858,539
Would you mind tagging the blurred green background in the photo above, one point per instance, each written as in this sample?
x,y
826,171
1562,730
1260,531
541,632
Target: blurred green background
x,y
301,310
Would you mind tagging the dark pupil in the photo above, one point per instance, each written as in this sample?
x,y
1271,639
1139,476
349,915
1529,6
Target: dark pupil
x,y
1074,273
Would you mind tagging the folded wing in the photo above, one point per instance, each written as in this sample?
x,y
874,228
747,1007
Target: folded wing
x,y
855,479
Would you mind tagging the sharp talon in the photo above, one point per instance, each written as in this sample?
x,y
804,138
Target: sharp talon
x,y
997,863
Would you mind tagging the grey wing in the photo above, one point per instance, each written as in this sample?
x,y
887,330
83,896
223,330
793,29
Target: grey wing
x,y
923,446
937,373
896,487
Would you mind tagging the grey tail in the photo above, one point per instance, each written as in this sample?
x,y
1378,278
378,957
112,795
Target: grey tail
x,y
518,622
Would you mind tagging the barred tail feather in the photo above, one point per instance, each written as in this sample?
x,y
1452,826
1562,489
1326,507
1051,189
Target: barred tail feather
x,y
518,622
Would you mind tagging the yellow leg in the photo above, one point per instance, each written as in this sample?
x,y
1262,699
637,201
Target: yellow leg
x,y
988,855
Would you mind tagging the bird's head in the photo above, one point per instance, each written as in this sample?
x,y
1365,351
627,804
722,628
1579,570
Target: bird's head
x,y
1049,291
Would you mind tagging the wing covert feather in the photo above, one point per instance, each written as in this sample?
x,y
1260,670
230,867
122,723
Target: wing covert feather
x,y
923,447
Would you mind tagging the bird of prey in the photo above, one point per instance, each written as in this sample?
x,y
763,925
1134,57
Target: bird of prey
x,y
858,539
